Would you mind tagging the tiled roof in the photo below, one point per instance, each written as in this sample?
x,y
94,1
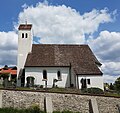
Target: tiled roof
x,y
8,70
80,57
25,27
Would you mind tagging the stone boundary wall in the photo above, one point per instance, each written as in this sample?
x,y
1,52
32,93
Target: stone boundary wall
x,y
72,102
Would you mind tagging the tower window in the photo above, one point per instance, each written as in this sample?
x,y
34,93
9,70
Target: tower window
x,y
59,75
26,35
44,74
22,35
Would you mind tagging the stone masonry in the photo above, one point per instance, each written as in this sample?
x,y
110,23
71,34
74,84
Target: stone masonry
x,y
72,102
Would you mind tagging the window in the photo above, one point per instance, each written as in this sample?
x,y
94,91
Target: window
x,y
44,74
22,35
88,81
26,35
59,75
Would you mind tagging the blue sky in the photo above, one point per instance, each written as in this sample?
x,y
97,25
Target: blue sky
x,y
10,10
93,22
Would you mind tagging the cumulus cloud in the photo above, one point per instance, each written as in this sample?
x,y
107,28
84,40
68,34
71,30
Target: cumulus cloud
x,y
8,48
62,24
110,79
106,46
111,68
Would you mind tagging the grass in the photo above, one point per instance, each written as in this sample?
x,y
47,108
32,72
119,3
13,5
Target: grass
x,y
12,110
112,94
64,90
29,110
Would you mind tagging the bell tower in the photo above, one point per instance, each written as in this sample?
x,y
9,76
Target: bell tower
x,y
25,39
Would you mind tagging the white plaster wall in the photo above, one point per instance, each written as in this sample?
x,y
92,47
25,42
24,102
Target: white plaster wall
x,y
95,81
37,73
24,47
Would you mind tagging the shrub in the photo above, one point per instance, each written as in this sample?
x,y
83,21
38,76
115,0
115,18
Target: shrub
x,y
41,86
93,90
34,109
67,111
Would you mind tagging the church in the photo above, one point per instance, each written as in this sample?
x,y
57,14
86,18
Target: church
x,y
55,65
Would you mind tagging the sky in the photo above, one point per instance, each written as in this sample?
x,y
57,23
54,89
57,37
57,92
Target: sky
x,y
92,22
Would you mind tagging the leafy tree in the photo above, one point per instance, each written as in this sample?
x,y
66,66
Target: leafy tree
x,y
111,86
117,84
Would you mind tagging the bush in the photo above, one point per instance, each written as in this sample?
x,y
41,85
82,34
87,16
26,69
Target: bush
x,y
93,90
41,86
35,109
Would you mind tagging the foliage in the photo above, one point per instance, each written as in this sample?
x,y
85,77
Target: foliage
x,y
111,86
41,86
113,94
4,75
117,84
93,90
33,109
64,90
12,110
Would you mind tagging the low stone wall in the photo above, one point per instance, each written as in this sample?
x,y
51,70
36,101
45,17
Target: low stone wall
x,y
72,102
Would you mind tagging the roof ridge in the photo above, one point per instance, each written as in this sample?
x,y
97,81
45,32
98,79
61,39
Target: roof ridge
x,y
61,44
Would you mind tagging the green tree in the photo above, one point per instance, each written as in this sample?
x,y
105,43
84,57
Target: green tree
x,y
111,86
117,84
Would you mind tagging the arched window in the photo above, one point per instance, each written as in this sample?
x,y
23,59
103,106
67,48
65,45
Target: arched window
x,y
22,35
88,81
26,35
44,74
59,75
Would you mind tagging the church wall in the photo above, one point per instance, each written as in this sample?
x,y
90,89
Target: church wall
x,y
37,73
95,81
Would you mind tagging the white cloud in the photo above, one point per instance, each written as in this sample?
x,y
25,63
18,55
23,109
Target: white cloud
x,y
8,40
110,79
112,68
62,24
107,48
8,48
108,44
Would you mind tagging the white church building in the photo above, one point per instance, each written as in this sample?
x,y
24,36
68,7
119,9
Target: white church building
x,y
60,65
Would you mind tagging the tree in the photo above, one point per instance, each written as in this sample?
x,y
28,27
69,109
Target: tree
x,y
117,84
111,86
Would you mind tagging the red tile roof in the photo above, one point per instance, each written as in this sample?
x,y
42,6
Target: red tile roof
x,y
8,71
81,57
25,27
